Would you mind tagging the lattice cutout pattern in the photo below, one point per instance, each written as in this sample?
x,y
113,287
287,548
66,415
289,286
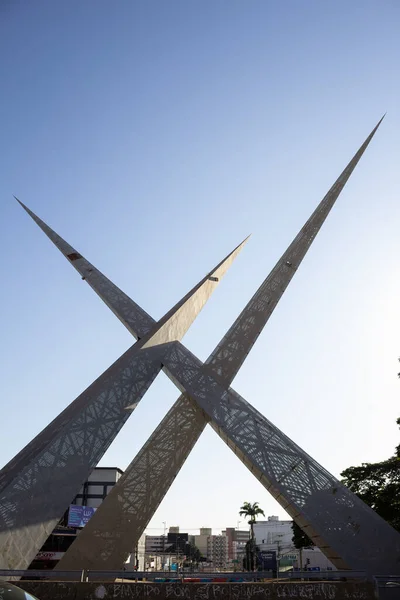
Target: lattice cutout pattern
x,y
29,506
349,533
289,474
235,345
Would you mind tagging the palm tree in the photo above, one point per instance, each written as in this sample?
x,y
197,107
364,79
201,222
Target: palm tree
x,y
252,511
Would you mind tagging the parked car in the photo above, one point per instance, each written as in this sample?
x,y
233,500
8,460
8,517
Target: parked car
x,y
8,591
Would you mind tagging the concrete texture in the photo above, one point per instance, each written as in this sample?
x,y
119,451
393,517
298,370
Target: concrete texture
x,y
48,590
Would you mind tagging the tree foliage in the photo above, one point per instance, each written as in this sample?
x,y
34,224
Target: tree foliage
x,y
378,485
250,562
300,539
193,554
253,511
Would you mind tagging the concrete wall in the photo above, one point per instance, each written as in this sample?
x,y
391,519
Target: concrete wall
x,y
201,543
47,590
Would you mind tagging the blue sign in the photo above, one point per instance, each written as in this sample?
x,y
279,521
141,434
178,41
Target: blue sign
x,y
78,516
267,560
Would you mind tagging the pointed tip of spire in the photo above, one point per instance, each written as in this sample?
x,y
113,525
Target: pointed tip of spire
x,y
369,138
19,202
377,125
26,209
381,119
240,246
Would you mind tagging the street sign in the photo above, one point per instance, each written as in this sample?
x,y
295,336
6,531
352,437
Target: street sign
x,y
267,560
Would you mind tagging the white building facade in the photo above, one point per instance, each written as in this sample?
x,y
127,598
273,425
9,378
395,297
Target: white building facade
x,y
275,535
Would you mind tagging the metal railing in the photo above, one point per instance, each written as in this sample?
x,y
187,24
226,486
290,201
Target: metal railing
x,y
160,576
388,588
43,574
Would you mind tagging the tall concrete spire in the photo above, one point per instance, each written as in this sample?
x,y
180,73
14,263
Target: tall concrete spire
x,y
110,535
341,525
40,483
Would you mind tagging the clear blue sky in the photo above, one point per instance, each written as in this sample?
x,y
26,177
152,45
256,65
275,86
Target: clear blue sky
x,y
154,136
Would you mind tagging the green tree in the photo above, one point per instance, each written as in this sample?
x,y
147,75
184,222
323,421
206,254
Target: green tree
x,y
249,559
253,511
300,541
378,485
193,555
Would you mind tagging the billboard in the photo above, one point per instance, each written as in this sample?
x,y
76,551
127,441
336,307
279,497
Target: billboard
x,y
49,555
78,516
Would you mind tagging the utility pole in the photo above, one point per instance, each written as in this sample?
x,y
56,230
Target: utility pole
x,y
177,556
277,559
165,529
